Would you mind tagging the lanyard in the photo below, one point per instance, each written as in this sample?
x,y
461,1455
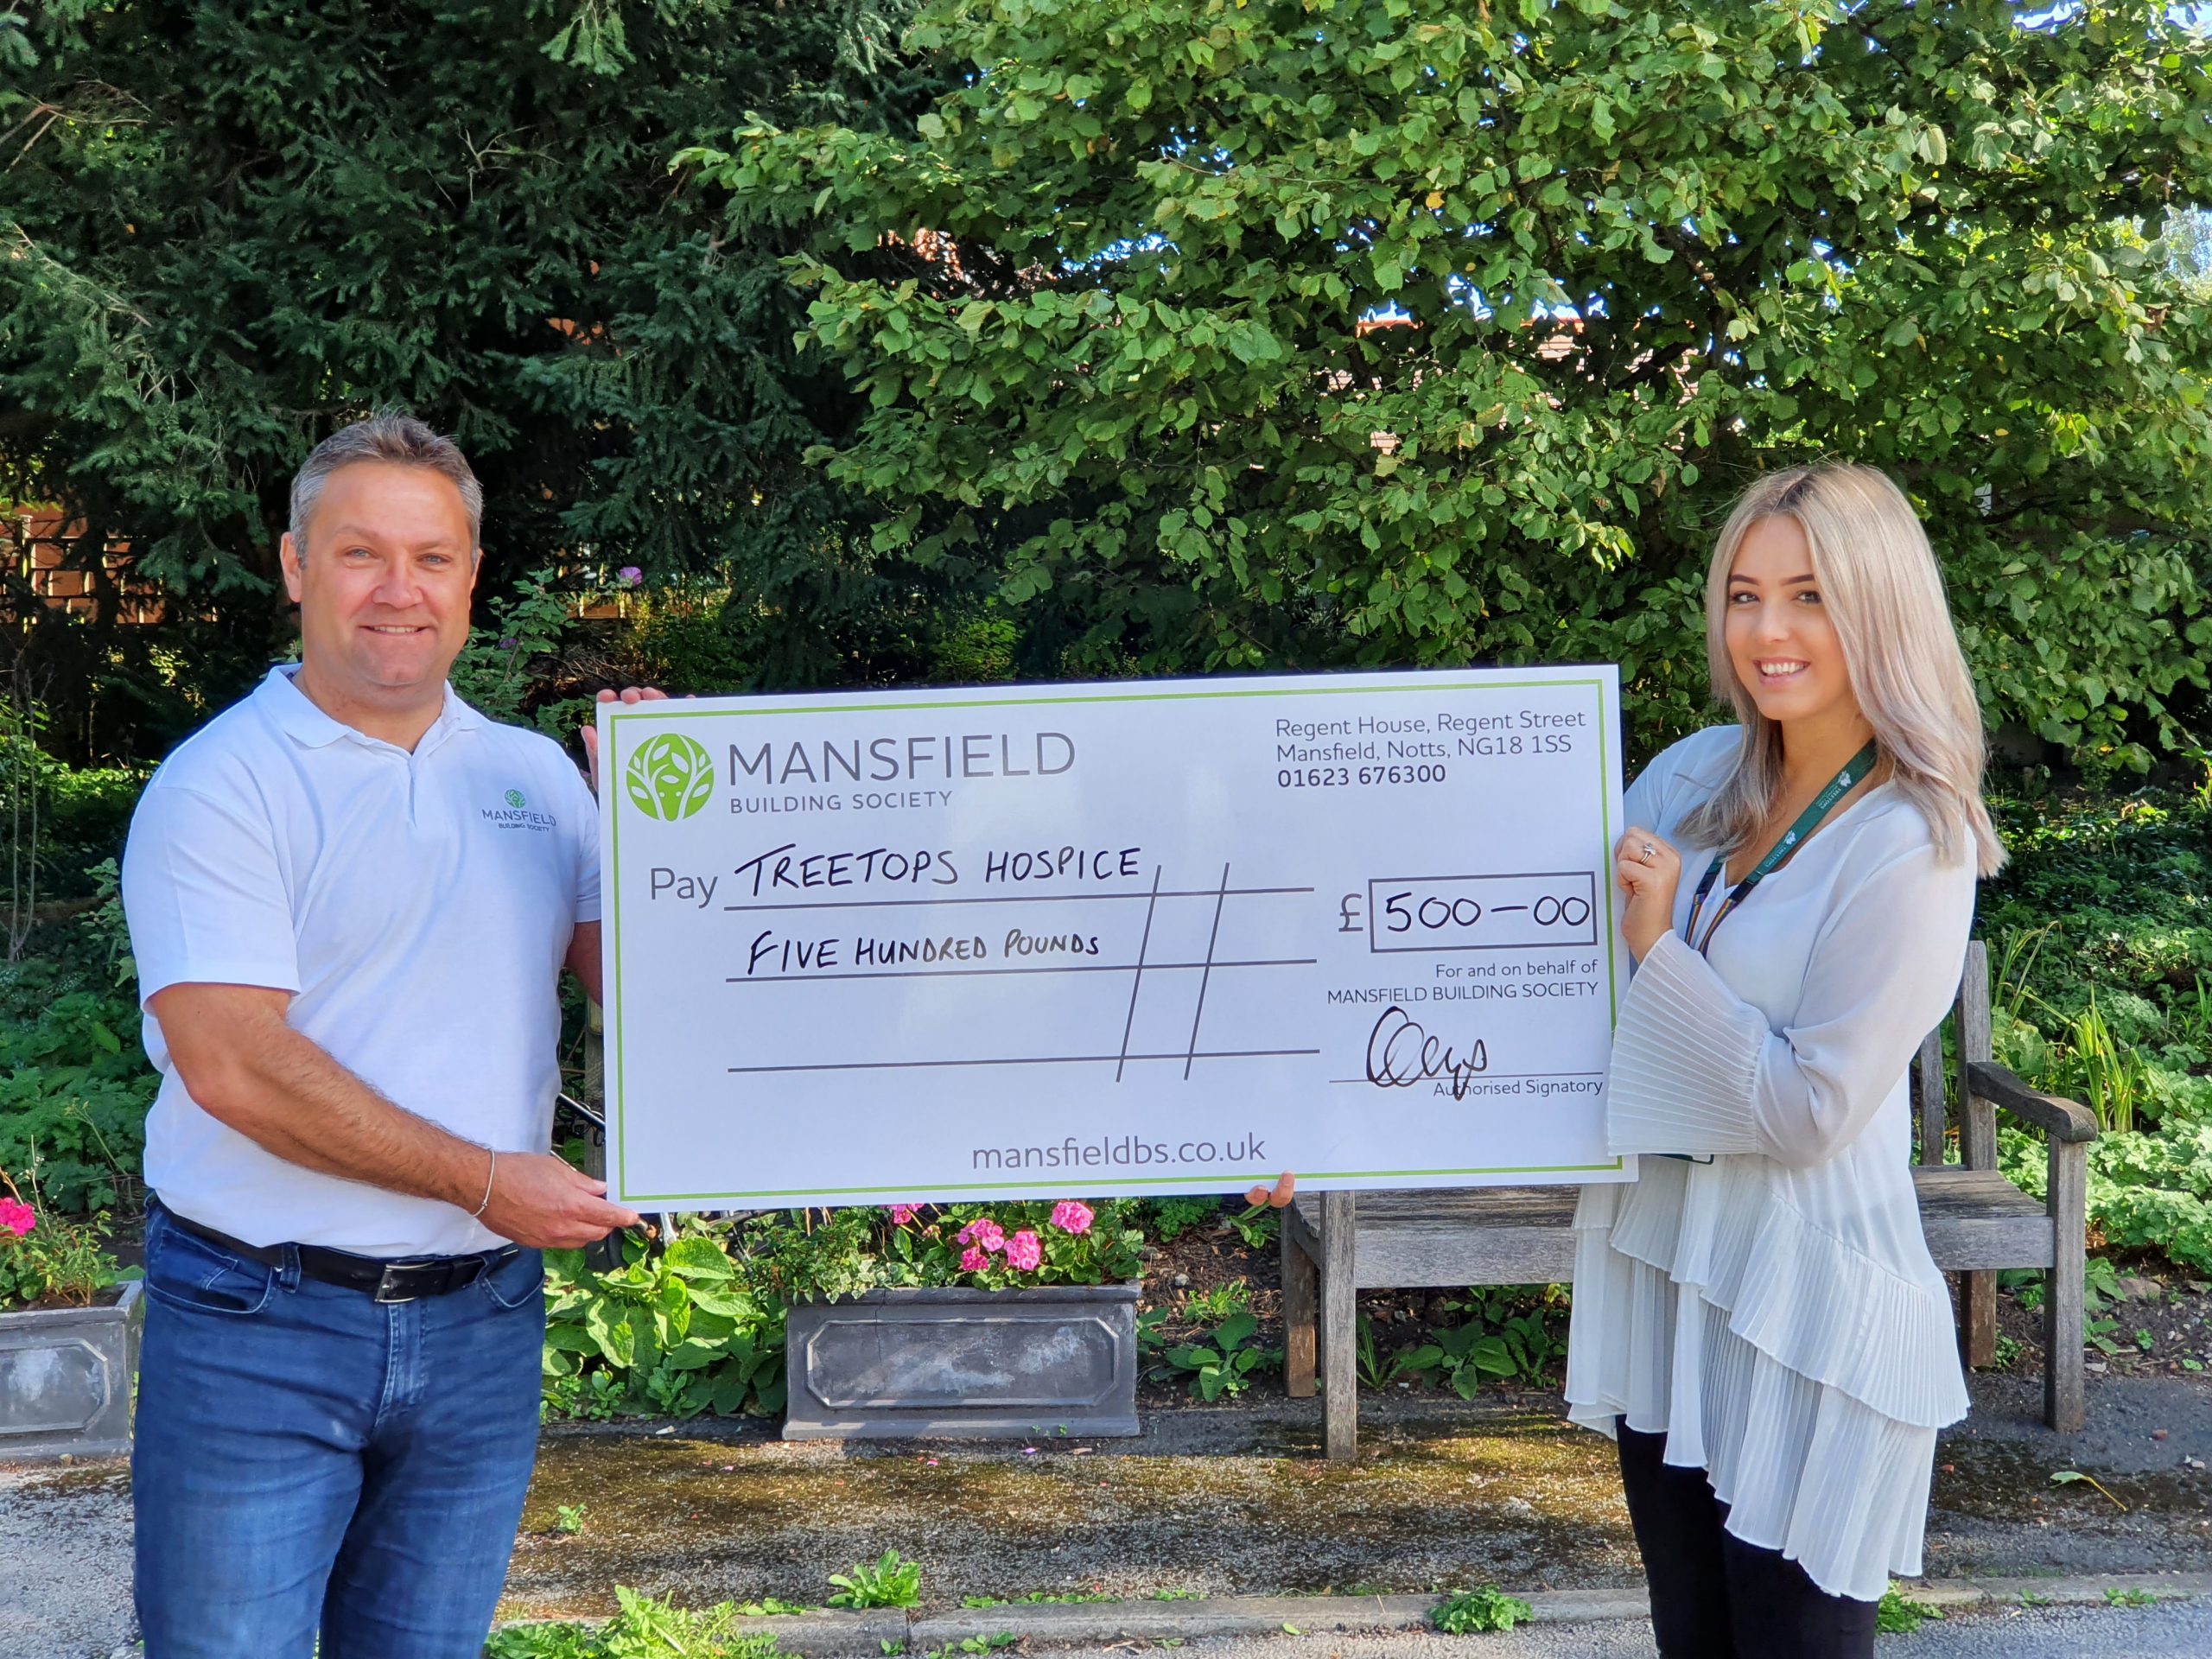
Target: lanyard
x,y
1854,769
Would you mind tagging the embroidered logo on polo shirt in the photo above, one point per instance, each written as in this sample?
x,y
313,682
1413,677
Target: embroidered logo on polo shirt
x,y
517,815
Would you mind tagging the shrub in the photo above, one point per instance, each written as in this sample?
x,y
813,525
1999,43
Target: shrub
x,y
2102,926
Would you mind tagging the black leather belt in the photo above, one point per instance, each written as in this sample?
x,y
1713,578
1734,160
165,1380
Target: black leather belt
x,y
405,1281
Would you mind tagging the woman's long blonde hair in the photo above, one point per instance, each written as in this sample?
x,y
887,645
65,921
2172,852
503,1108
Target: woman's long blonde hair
x,y
1878,582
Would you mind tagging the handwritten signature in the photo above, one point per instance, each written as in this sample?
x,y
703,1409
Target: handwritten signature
x,y
1400,1053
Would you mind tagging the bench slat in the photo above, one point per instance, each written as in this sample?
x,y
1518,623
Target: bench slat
x,y
1483,1206
1442,1260
1973,1219
1484,1236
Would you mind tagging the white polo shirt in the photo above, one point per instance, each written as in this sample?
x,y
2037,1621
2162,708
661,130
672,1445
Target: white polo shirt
x,y
417,905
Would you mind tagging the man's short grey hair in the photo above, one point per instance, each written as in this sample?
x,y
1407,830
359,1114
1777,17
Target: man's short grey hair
x,y
400,439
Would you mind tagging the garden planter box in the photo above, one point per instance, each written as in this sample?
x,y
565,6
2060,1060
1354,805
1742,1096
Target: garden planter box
x,y
978,1364
65,1378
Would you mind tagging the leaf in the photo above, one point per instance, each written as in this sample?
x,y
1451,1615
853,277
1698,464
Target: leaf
x,y
617,1340
1426,1357
727,1392
692,1356
698,1258
1489,1355
731,1305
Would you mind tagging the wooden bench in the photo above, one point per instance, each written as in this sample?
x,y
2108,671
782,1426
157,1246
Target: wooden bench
x,y
1336,1244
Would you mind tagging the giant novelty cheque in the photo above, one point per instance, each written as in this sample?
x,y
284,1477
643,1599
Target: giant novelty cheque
x,y
1143,938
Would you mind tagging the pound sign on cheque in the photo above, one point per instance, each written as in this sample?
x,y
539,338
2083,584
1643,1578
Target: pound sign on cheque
x,y
1349,913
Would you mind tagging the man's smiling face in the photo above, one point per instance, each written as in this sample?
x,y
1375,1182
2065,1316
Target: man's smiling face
x,y
383,582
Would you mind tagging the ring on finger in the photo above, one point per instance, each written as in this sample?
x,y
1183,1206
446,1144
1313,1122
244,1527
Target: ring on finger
x,y
1646,853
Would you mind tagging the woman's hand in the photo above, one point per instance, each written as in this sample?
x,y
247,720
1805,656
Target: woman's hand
x,y
628,693
1646,871
1274,1200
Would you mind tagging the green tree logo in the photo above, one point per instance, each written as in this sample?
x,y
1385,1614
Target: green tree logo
x,y
670,777
517,799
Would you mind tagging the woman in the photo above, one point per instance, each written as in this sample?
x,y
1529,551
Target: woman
x,y
1757,1319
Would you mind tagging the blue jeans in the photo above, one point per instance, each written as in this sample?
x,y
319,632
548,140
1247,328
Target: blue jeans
x,y
309,1460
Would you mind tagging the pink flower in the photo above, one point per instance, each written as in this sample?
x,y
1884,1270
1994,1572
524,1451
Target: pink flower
x,y
974,1261
16,1219
902,1215
1071,1217
629,576
1024,1251
984,1231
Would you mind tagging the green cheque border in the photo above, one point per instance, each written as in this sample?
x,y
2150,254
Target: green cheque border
x,y
862,702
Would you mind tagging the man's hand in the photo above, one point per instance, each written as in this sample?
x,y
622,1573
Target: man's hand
x,y
539,1200
1647,871
1284,1189
627,694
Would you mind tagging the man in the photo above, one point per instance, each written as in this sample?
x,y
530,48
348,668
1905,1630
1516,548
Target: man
x,y
351,897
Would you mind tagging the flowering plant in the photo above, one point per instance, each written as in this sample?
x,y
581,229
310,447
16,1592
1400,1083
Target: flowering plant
x,y
48,1259
1001,1245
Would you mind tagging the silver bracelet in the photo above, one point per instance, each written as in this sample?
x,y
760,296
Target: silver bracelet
x,y
490,1170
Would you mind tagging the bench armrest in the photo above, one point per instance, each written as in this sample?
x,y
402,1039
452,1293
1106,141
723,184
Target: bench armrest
x,y
2062,1120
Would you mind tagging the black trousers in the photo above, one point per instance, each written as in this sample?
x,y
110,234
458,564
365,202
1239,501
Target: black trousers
x,y
1714,1596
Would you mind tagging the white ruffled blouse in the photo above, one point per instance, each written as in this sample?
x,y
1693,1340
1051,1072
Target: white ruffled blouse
x,y
1775,1312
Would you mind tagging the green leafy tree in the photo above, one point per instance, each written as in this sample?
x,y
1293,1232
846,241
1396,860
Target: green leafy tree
x,y
1243,333
227,229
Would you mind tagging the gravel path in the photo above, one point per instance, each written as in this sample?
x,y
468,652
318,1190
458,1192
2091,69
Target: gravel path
x,y
1216,1502
65,1560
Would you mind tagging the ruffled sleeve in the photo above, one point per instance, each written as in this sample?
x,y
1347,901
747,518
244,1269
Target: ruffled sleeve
x,y
1695,1068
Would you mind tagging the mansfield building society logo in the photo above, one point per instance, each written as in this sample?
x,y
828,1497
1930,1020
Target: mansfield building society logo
x,y
515,814
670,777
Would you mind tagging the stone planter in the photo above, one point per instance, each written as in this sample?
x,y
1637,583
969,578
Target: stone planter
x,y
975,1364
65,1378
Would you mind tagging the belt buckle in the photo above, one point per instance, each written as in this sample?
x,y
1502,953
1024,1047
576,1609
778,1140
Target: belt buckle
x,y
391,1286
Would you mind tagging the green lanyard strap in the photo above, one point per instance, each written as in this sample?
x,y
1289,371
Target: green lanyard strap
x,y
1854,769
